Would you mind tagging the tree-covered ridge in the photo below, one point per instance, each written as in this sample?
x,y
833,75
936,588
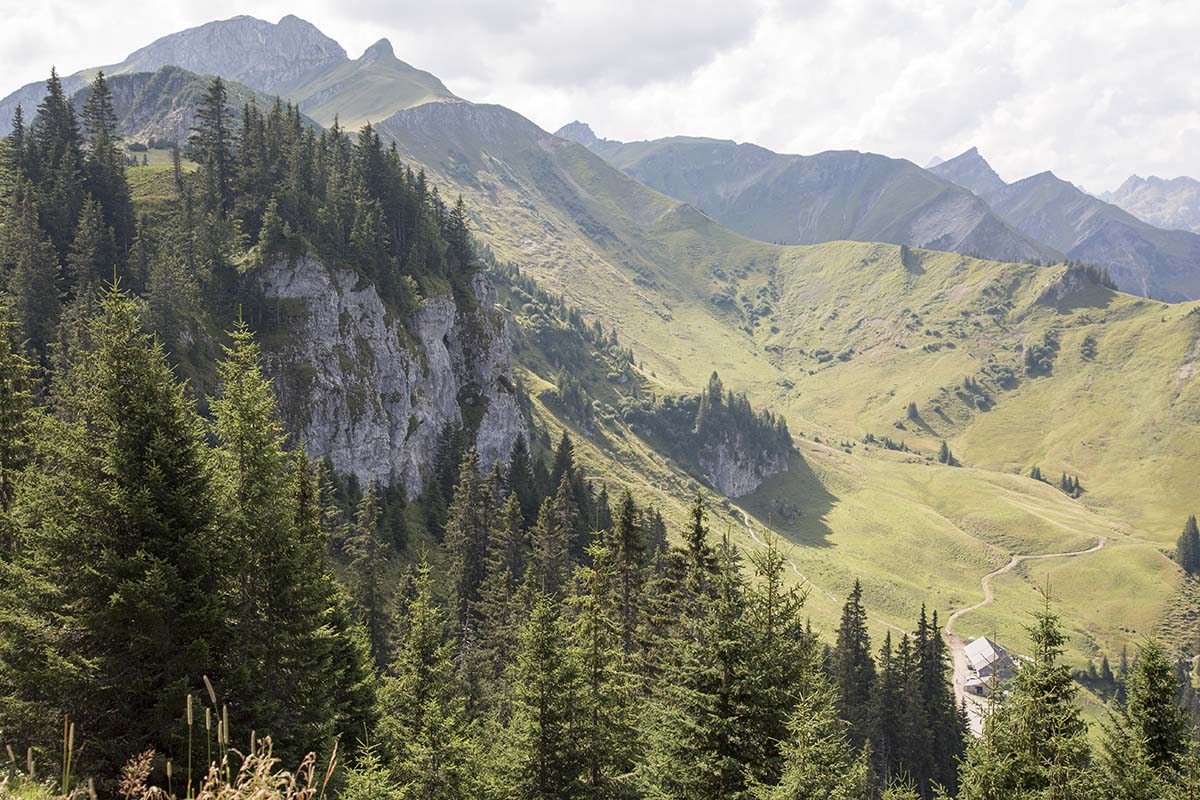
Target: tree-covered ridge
x,y
268,185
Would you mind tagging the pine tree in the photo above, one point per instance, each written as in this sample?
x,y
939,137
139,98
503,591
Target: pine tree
x,y
59,172
467,533
422,713
606,723
500,606
104,170
16,423
853,667
1035,744
125,488
538,756
369,557
211,141
550,560
1187,547
519,481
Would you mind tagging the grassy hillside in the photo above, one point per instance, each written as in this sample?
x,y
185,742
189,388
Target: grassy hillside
x,y
369,89
841,338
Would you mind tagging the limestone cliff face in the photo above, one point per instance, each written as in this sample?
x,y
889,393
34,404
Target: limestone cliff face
x,y
736,471
374,394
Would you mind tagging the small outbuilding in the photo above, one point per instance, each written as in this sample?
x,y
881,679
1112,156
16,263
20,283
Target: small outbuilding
x,y
990,665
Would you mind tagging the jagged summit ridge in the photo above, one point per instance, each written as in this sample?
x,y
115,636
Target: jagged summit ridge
x,y
971,171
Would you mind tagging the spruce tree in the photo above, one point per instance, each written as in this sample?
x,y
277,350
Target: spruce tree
x,y
538,755
369,556
1146,739
32,278
698,726
784,655
282,642
853,667
124,487
887,712
550,559
212,145
500,607
607,734
1187,547
59,172
627,553
16,422
104,170
1035,744
422,714
91,251
519,480
820,761
466,537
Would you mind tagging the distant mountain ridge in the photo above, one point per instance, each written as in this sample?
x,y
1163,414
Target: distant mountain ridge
x,y
1143,259
262,55
835,195
970,171
1172,203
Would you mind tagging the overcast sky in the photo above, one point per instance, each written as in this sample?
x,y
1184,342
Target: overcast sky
x,y
1092,90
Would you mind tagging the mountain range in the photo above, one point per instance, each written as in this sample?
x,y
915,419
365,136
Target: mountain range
x,y
840,289
1173,204
834,195
1141,258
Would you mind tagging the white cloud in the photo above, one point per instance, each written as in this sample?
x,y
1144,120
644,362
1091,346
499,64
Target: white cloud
x,y
1092,90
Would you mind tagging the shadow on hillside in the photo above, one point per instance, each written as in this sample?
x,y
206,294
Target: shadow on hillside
x,y
794,503
1097,298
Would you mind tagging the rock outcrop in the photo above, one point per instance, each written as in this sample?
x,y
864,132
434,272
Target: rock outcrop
x,y
374,394
735,471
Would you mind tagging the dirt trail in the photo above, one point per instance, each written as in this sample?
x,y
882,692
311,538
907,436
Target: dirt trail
x,y
958,643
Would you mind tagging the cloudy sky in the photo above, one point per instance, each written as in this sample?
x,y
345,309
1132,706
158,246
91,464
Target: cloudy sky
x,y
1093,90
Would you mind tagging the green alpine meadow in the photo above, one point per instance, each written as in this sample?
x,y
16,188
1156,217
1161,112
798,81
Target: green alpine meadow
x,y
359,441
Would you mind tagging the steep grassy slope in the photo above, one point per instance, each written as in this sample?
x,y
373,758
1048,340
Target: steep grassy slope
x,y
825,197
841,337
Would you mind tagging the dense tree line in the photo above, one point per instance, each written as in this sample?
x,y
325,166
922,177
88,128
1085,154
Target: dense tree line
x,y
248,189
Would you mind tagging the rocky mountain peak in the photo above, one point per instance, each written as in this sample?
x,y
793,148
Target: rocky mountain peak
x,y
971,171
579,132
380,51
260,54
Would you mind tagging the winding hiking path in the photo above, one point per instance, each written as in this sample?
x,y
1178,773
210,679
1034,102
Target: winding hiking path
x,y
958,643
